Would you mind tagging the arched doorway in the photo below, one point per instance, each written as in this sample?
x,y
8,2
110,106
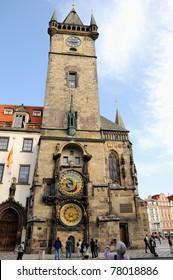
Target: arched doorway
x,y
12,223
8,230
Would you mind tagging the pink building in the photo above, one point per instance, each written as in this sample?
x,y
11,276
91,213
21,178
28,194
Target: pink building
x,y
166,221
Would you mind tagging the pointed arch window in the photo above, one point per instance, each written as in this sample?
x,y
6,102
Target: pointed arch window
x,y
114,170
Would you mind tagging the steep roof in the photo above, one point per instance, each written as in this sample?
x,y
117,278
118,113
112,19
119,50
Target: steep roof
x,y
119,120
73,18
109,125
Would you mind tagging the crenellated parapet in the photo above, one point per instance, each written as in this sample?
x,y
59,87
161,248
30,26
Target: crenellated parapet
x,y
72,25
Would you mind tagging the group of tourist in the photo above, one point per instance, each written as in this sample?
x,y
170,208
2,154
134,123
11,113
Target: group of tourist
x,y
58,248
150,243
83,248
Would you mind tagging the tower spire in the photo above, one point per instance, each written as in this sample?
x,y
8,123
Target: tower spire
x,y
54,16
118,118
92,21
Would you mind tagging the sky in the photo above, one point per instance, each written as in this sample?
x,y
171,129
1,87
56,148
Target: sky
x,y
134,63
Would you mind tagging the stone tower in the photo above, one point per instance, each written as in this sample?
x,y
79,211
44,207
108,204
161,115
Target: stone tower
x,y
85,183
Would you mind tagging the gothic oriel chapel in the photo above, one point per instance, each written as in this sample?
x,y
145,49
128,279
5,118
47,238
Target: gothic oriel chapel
x,y
85,183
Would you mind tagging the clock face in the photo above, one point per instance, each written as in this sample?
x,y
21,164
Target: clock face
x,y
70,214
71,182
73,41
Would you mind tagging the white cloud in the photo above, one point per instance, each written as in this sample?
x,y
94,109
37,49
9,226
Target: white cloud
x,y
158,117
123,34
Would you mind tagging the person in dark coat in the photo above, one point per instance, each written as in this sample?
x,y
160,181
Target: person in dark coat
x,y
92,246
147,243
153,246
58,246
68,247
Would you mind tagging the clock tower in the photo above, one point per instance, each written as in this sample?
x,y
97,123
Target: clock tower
x,y
85,183
72,71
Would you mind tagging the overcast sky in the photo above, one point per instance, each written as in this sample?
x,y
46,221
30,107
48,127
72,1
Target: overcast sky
x,y
135,67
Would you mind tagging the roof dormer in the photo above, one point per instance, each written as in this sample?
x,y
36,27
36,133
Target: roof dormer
x,y
21,117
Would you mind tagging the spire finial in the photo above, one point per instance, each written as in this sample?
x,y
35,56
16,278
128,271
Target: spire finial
x,y
73,7
116,104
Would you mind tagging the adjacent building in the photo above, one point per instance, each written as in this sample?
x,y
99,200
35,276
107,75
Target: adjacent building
x,y
164,207
19,138
153,215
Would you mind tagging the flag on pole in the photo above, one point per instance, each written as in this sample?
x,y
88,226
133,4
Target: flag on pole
x,y
9,157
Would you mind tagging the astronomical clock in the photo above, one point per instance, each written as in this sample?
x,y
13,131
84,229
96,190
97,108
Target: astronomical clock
x,y
71,183
70,211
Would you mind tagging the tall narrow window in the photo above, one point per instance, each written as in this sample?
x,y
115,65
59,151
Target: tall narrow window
x,y
114,172
1,171
27,145
24,174
4,143
72,79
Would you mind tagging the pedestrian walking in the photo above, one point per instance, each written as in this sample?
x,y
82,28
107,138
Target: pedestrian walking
x,y
68,247
92,246
58,246
82,248
86,251
170,244
120,252
153,246
78,245
147,243
21,250
96,248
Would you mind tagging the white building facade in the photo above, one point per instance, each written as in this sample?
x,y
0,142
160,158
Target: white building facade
x,y
153,215
19,144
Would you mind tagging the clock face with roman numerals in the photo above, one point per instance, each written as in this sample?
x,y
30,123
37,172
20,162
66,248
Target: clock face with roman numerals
x,y
73,41
71,182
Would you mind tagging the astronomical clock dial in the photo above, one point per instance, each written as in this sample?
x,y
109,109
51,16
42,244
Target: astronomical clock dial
x,y
71,183
71,214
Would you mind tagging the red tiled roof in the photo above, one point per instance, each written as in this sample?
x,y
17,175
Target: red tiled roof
x,y
6,118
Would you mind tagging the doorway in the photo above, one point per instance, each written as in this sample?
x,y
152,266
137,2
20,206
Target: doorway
x,y
73,243
8,230
124,236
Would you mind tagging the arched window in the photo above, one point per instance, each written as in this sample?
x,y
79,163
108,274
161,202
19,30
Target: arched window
x,y
114,170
